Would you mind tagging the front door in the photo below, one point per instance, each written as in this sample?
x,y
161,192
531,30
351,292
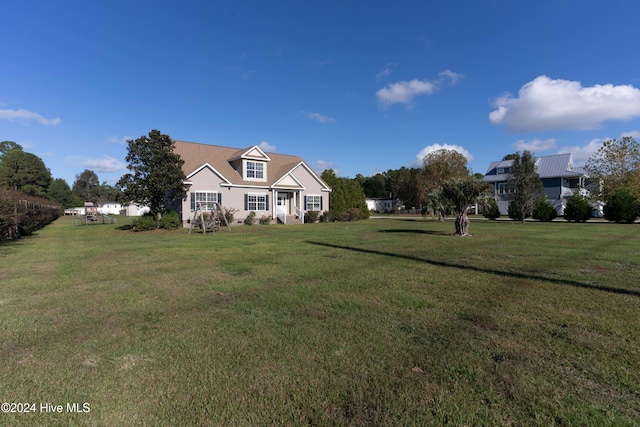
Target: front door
x,y
283,202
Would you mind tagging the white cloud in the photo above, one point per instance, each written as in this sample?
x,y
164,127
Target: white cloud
x,y
320,118
102,164
582,153
323,165
535,145
454,77
435,147
265,146
403,92
545,104
635,134
385,71
24,116
115,139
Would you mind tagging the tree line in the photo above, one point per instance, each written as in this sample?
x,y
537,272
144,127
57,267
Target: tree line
x,y
443,185
24,172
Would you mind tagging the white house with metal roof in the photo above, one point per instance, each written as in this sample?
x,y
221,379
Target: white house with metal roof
x,y
560,178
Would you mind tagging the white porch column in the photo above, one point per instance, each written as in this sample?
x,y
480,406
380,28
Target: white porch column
x,y
274,204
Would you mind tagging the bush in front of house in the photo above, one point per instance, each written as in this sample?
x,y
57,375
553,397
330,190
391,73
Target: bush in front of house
x,y
265,220
144,223
170,221
622,206
250,219
491,211
311,216
544,211
325,217
229,214
578,209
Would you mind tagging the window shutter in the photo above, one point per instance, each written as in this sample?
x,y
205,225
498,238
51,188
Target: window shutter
x,y
220,199
246,202
306,208
266,198
320,203
193,201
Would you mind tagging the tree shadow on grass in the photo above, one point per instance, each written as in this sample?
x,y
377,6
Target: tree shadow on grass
x,y
416,231
484,270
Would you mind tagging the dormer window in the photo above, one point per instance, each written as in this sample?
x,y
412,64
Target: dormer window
x,y
255,170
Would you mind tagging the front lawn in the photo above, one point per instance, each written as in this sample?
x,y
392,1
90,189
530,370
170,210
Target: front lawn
x,y
379,322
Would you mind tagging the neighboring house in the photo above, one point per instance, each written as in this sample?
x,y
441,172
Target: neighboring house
x,y
74,211
559,177
135,210
382,204
250,180
110,208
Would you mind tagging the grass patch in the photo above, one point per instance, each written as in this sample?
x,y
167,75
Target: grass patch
x,y
380,322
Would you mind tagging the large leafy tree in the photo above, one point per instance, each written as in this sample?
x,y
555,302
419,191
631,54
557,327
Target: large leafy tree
x,y
60,192
86,185
526,184
8,145
439,166
615,165
156,178
25,172
462,194
347,200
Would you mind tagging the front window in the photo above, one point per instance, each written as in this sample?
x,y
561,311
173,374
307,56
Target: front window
x,y
256,202
205,199
255,170
505,188
314,203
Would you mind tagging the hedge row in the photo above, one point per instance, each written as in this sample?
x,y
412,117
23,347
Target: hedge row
x,y
22,215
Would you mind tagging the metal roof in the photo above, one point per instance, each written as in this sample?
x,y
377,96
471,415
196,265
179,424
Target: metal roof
x,y
557,165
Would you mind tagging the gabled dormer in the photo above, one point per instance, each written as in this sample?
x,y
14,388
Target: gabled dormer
x,y
251,164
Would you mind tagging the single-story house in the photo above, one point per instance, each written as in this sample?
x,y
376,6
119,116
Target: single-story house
x,y
560,179
110,208
134,209
382,204
278,186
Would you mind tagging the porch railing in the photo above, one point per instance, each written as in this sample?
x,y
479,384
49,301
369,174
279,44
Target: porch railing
x,y
299,214
281,214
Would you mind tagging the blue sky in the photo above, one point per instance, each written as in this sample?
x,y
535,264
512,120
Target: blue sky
x,y
357,86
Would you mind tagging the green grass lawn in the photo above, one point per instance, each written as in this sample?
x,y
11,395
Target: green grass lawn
x,y
380,322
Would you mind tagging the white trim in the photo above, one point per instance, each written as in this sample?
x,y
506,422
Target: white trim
x,y
207,165
313,175
292,176
244,155
245,163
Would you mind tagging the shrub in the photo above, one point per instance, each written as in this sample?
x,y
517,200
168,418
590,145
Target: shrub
x,y
144,223
311,216
515,211
250,219
228,214
325,217
170,221
578,209
265,220
492,211
622,206
544,211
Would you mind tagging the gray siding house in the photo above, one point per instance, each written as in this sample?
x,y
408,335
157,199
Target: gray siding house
x,y
278,186
560,178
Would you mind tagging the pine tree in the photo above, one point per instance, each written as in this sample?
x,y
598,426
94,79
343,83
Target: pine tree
x,y
527,186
